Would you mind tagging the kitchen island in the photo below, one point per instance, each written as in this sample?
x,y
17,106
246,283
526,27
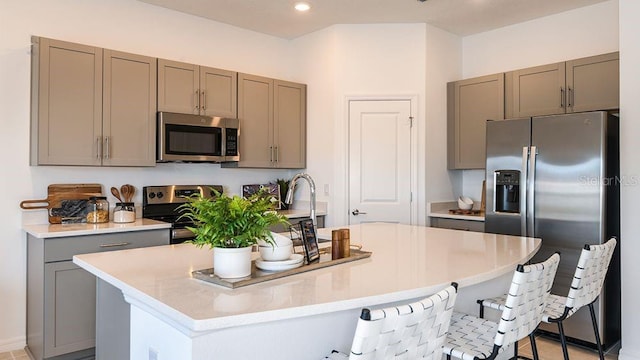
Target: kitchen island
x,y
305,316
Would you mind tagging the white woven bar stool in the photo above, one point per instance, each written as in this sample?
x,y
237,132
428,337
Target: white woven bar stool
x,y
585,288
474,338
413,331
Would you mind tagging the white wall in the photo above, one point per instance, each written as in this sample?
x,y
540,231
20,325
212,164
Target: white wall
x,y
574,34
630,171
124,25
356,61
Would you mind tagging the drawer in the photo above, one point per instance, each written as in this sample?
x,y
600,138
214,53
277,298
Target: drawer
x,y
63,248
456,224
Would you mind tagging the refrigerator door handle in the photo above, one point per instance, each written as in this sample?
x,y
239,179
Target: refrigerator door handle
x,y
523,191
531,191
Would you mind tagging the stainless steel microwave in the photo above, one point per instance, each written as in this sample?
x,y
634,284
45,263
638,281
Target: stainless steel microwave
x,y
196,138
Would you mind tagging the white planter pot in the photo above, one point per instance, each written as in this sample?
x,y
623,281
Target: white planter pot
x,y
232,262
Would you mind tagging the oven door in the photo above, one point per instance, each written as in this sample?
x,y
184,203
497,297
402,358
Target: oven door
x,y
190,138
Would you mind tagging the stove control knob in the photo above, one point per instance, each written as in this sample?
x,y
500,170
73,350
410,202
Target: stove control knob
x,y
160,195
152,195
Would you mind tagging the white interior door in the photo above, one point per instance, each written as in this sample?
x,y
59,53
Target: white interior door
x,y
380,161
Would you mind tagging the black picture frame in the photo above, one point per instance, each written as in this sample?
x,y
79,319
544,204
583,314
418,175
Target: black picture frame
x,y
309,240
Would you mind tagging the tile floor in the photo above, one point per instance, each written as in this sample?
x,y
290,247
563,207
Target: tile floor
x,y
14,355
549,349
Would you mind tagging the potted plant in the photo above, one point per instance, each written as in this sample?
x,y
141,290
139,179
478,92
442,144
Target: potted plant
x,y
231,225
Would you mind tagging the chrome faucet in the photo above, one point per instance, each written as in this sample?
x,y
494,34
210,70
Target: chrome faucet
x,y
312,188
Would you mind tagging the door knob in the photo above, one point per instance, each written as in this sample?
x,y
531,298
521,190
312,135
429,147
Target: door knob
x,y
357,212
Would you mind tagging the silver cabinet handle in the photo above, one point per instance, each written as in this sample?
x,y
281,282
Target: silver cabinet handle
x,y
561,97
114,245
197,100
99,147
203,105
107,151
570,97
277,155
271,153
357,212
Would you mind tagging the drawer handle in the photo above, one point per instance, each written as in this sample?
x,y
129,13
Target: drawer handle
x,y
114,245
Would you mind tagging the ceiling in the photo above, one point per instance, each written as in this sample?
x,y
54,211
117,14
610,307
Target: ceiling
x,y
461,17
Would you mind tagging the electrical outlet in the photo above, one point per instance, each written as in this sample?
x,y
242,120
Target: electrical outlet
x,y
153,354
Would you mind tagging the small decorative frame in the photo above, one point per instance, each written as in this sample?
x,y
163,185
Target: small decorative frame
x,y
309,241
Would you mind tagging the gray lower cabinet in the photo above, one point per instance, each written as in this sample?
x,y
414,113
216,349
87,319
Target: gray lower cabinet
x,y
457,224
61,297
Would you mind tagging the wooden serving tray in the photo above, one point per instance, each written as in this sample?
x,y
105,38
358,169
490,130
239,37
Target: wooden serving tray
x,y
258,276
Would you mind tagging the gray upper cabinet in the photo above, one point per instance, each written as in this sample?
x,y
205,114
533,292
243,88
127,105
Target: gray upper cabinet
x,y
129,109
91,106
66,113
272,117
471,103
593,83
538,90
192,89
585,84
290,131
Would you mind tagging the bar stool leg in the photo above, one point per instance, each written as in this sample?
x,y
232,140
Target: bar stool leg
x,y
563,341
534,347
595,330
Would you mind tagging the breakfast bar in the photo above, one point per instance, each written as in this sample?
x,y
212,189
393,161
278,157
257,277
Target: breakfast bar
x,y
303,316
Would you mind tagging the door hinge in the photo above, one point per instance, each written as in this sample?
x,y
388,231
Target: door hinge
x,y
411,121
411,196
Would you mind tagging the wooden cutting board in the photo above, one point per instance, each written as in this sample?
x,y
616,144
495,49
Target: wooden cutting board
x,y
64,200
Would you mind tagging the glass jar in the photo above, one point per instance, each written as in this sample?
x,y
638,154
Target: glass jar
x,y
124,212
97,210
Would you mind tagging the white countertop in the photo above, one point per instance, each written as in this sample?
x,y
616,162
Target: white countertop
x,y
44,231
407,262
441,210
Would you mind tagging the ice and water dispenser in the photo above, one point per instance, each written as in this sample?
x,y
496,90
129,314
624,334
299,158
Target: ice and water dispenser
x,y
507,191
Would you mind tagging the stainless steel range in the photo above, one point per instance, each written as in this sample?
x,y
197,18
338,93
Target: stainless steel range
x,y
162,202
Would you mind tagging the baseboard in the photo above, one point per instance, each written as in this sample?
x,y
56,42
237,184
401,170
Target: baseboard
x,y
628,355
17,343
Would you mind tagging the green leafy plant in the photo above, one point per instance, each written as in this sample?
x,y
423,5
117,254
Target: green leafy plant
x,y
231,222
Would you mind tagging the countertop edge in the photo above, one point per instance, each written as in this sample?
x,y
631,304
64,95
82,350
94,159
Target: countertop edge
x,y
45,231
441,210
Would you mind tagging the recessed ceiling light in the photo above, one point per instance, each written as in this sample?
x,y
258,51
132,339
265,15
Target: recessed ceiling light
x,y
302,6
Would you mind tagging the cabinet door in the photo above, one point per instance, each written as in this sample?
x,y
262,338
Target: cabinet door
x,y
178,88
536,91
67,103
129,109
218,91
255,111
69,309
289,117
593,83
471,103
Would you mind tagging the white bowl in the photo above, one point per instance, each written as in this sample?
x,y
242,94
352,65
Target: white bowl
x,y
465,203
275,252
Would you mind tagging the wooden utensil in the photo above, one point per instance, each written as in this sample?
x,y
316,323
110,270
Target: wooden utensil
x,y
116,193
59,193
127,191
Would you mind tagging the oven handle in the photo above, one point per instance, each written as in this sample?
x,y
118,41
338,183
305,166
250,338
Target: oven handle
x,y
181,234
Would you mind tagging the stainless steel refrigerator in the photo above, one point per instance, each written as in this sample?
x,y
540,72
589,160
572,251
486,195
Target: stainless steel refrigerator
x,y
557,178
